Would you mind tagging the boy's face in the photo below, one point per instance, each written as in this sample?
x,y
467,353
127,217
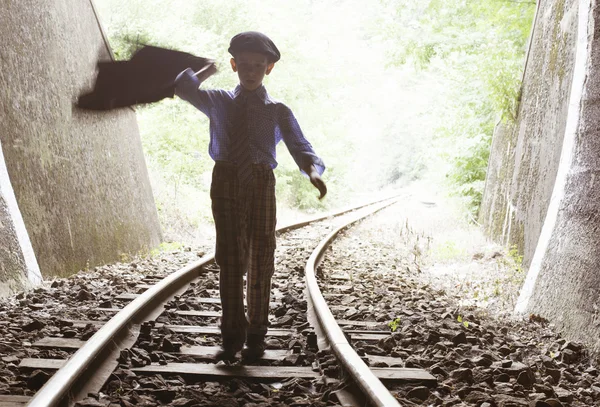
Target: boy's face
x,y
251,68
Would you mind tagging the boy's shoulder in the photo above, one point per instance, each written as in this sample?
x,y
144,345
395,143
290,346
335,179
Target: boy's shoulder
x,y
273,104
223,93
279,109
278,104
269,100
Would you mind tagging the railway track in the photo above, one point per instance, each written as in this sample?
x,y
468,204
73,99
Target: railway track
x,y
168,329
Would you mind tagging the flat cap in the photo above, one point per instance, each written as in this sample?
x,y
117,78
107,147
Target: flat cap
x,y
255,42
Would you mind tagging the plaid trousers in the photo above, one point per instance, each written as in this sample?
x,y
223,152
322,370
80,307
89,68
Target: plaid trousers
x,y
245,218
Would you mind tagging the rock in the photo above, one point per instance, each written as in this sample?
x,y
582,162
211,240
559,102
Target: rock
x,y
273,344
224,402
84,295
555,374
514,368
433,337
413,362
554,403
536,396
69,333
512,353
477,397
283,321
459,338
563,395
90,402
566,375
573,346
170,346
88,332
36,379
34,325
438,370
420,393
502,378
10,359
105,304
292,360
481,361
465,375
387,344
541,388
280,311
548,361
182,402
526,379
64,322
503,400
569,356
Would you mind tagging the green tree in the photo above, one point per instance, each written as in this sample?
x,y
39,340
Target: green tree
x,y
379,96
478,46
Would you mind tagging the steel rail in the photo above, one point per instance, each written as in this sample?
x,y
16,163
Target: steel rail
x,y
58,387
377,394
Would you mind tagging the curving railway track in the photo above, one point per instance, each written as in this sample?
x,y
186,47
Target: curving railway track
x,y
167,328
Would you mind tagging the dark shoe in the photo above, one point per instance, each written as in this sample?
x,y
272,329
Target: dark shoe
x,y
228,355
255,347
230,347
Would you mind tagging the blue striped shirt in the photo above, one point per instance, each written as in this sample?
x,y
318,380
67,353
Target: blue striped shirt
x,y
269,122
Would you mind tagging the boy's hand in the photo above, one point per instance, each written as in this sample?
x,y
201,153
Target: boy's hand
x,y
318,182
206,72
315,179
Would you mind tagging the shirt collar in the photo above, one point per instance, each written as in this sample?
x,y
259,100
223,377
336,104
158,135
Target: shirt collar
x,y
260,93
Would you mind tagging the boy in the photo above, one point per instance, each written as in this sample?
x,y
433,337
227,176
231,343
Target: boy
x,y
245,126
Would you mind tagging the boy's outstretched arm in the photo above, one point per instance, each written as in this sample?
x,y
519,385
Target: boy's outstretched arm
x,y
187,84
316,180
206,72
301,150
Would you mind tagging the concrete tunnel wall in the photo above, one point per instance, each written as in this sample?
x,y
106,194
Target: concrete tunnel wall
x,y
19,269
79,177
525,154
560,234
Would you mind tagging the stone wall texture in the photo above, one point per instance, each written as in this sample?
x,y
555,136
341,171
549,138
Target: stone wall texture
x,y
525,154
79,177
13,270
544,172
567,288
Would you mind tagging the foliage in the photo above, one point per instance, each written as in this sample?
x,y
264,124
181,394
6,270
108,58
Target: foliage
x,y
166,247
479,46
379,96
319,77
394,324
295,188
448,250
516,263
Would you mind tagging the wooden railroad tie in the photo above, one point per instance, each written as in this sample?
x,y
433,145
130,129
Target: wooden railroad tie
x,y
355,334
203,352
7,400
260,372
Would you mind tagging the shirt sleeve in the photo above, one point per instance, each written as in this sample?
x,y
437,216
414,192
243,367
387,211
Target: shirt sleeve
x,y
186,87
301,150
